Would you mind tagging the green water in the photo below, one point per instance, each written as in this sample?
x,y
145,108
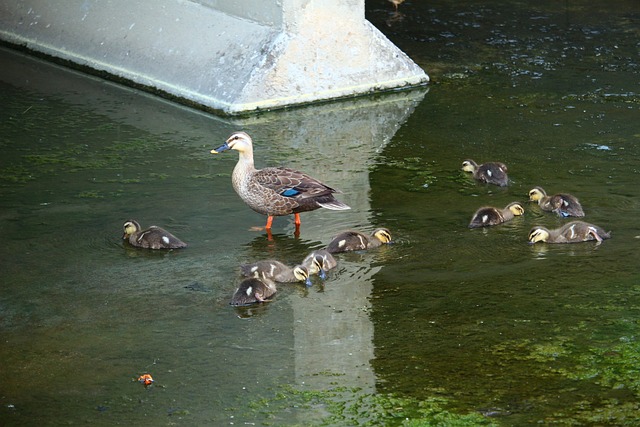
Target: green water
x,y
448,326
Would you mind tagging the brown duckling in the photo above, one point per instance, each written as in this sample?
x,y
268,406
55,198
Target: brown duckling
x,y
152,238
319,262
276,191
253,290
356,241
563,204
489,173
487,216
571,232
276,271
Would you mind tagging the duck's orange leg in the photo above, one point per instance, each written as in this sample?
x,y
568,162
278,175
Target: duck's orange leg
x,y
296,219
269,222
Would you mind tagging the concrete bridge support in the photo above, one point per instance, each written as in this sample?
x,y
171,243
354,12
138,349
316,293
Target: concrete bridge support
x,y
230,57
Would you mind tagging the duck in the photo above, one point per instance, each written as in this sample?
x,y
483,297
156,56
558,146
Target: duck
x,y
563,204
355,241
396,3
488,215
253,290
489,173
153,237
276,191
276,271
319,262
571,232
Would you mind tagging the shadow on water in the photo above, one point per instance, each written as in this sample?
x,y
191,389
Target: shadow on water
x,y
447,325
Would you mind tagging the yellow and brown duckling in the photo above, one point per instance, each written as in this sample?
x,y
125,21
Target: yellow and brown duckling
x,y
319,262
276,271
489,173
562,204
253,290
152,238
489,215
355,241
276,191
571,232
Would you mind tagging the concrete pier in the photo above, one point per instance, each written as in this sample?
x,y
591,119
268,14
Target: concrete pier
x,y
227,57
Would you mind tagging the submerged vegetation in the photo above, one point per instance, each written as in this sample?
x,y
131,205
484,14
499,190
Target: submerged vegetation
x,y
344,406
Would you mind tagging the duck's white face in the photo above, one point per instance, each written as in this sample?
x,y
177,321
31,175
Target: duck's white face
x,y
535,194
239,141
516,209
538,234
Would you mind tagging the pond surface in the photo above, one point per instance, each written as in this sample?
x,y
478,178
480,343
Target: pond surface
x,y
448,325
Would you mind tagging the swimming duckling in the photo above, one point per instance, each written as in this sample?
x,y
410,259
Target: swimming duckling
x,y
488,173
277,271
152,238
319,262
253,290
276,191
356,241
571,232
563,204
493,216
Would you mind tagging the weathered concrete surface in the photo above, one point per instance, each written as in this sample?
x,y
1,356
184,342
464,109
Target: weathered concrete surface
x,y
232,58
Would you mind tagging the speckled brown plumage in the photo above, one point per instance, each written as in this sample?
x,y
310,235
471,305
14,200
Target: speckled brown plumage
x,y
276,191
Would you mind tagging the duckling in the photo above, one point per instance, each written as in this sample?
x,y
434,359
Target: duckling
x,y
488,173
487,216
319,262
277,271
253,290
276,191
563,204
571,232
356,241
152,238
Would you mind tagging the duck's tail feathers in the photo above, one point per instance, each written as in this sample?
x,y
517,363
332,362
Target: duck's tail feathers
x,y
334,205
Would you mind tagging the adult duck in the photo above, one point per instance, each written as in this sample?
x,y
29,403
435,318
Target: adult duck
x,y
489,173
276,191
562,203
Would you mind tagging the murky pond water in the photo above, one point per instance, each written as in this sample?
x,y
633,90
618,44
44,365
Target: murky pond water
x,y
447,325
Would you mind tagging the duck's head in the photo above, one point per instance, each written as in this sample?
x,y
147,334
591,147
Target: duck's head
x,y
538,234
469,165
516,208
536,193
239,141
130,227
301,273
383,235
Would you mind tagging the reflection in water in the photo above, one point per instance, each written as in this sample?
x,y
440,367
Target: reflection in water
x,y
88,155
